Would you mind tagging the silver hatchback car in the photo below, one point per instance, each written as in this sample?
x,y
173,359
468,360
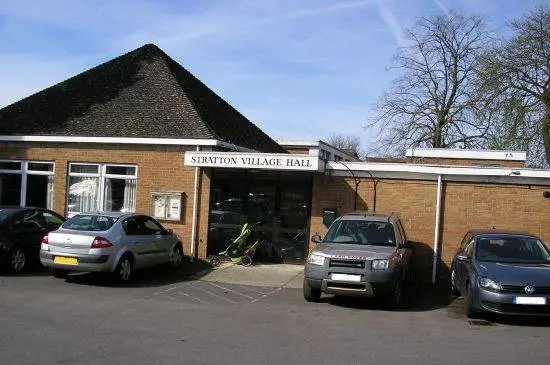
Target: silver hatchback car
x,y
111,242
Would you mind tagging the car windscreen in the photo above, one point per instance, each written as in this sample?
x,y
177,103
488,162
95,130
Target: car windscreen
x,y
511,249
90,223
361,232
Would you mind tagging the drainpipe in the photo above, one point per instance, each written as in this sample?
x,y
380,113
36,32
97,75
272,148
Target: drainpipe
x,y
437,226
195,213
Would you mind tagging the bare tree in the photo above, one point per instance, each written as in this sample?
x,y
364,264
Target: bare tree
x,y
434,103
517,72
347,143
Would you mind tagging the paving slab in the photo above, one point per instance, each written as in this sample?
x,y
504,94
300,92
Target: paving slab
x,y
265,275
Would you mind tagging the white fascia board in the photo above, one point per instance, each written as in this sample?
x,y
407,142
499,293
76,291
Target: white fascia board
x,y
466,154
304,144
413,171
126,140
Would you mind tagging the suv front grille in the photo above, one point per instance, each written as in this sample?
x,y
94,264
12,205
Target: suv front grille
x,y
520,289
356,264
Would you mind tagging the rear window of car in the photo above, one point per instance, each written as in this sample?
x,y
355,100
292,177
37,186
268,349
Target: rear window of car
x,y
90,223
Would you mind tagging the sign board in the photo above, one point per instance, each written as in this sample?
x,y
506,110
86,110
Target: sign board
x,y
166,205
241,160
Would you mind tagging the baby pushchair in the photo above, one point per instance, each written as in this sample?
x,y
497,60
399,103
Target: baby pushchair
x,y
240,251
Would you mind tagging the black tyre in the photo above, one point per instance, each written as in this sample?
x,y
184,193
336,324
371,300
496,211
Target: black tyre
x,y
311,294
125,269
215,261
394,299
471,309
17,260
454,289
59,273
246,260
176,257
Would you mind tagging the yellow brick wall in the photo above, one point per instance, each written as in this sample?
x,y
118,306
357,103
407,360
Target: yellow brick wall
x,y
159,168
465,206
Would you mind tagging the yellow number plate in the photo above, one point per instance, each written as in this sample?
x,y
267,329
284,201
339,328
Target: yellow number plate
x,y
65,260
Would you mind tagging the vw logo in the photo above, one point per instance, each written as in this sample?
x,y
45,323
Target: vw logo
x,y
529,289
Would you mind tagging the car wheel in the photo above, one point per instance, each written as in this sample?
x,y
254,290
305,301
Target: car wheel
x,y
454,289
59,273
395,297
246,261
17,260
471,310
125,269
215,261
176,256
310,294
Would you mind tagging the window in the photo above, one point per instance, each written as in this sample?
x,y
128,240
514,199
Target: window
x,y
90,223
52,221
166,205
361,232
96,187
150,226
511,249
26,183
325,155
30,220
469,250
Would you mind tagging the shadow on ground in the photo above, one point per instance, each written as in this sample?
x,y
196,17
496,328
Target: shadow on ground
x,y
416,298
457,310
34,269
150,277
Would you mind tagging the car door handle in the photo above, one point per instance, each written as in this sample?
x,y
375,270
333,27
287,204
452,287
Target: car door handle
x,y
135,242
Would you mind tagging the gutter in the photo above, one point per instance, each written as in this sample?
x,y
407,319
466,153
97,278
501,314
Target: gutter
x,y
195,213
437,227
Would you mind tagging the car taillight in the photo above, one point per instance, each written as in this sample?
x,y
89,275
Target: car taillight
x,y
101,242
45,240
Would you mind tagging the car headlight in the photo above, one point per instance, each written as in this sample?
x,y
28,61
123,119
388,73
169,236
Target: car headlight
x,y
315,259
380,264
489,284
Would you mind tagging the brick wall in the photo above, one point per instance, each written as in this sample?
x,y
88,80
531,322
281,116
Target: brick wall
x,y
159,168
465,162
298,151
465,206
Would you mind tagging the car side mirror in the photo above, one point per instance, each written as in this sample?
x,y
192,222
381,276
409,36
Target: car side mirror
x,y
463,258
169,231
406,244
316,238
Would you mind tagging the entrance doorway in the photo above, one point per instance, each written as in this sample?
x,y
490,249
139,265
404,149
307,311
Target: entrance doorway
x,y
280,200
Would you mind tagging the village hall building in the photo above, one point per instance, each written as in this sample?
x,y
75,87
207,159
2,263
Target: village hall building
x,y
141,133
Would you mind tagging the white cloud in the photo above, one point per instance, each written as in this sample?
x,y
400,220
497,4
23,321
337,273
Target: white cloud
x,y
442,6
392,22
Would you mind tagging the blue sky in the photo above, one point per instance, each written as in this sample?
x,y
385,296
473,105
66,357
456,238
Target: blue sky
x,y
299,69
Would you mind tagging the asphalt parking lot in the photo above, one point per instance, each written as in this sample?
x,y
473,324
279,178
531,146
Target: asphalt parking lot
x,y
167,318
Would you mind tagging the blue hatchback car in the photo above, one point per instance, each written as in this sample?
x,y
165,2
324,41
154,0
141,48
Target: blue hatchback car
x,y
502,272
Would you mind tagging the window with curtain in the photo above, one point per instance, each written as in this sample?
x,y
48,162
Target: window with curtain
x,y
102,187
